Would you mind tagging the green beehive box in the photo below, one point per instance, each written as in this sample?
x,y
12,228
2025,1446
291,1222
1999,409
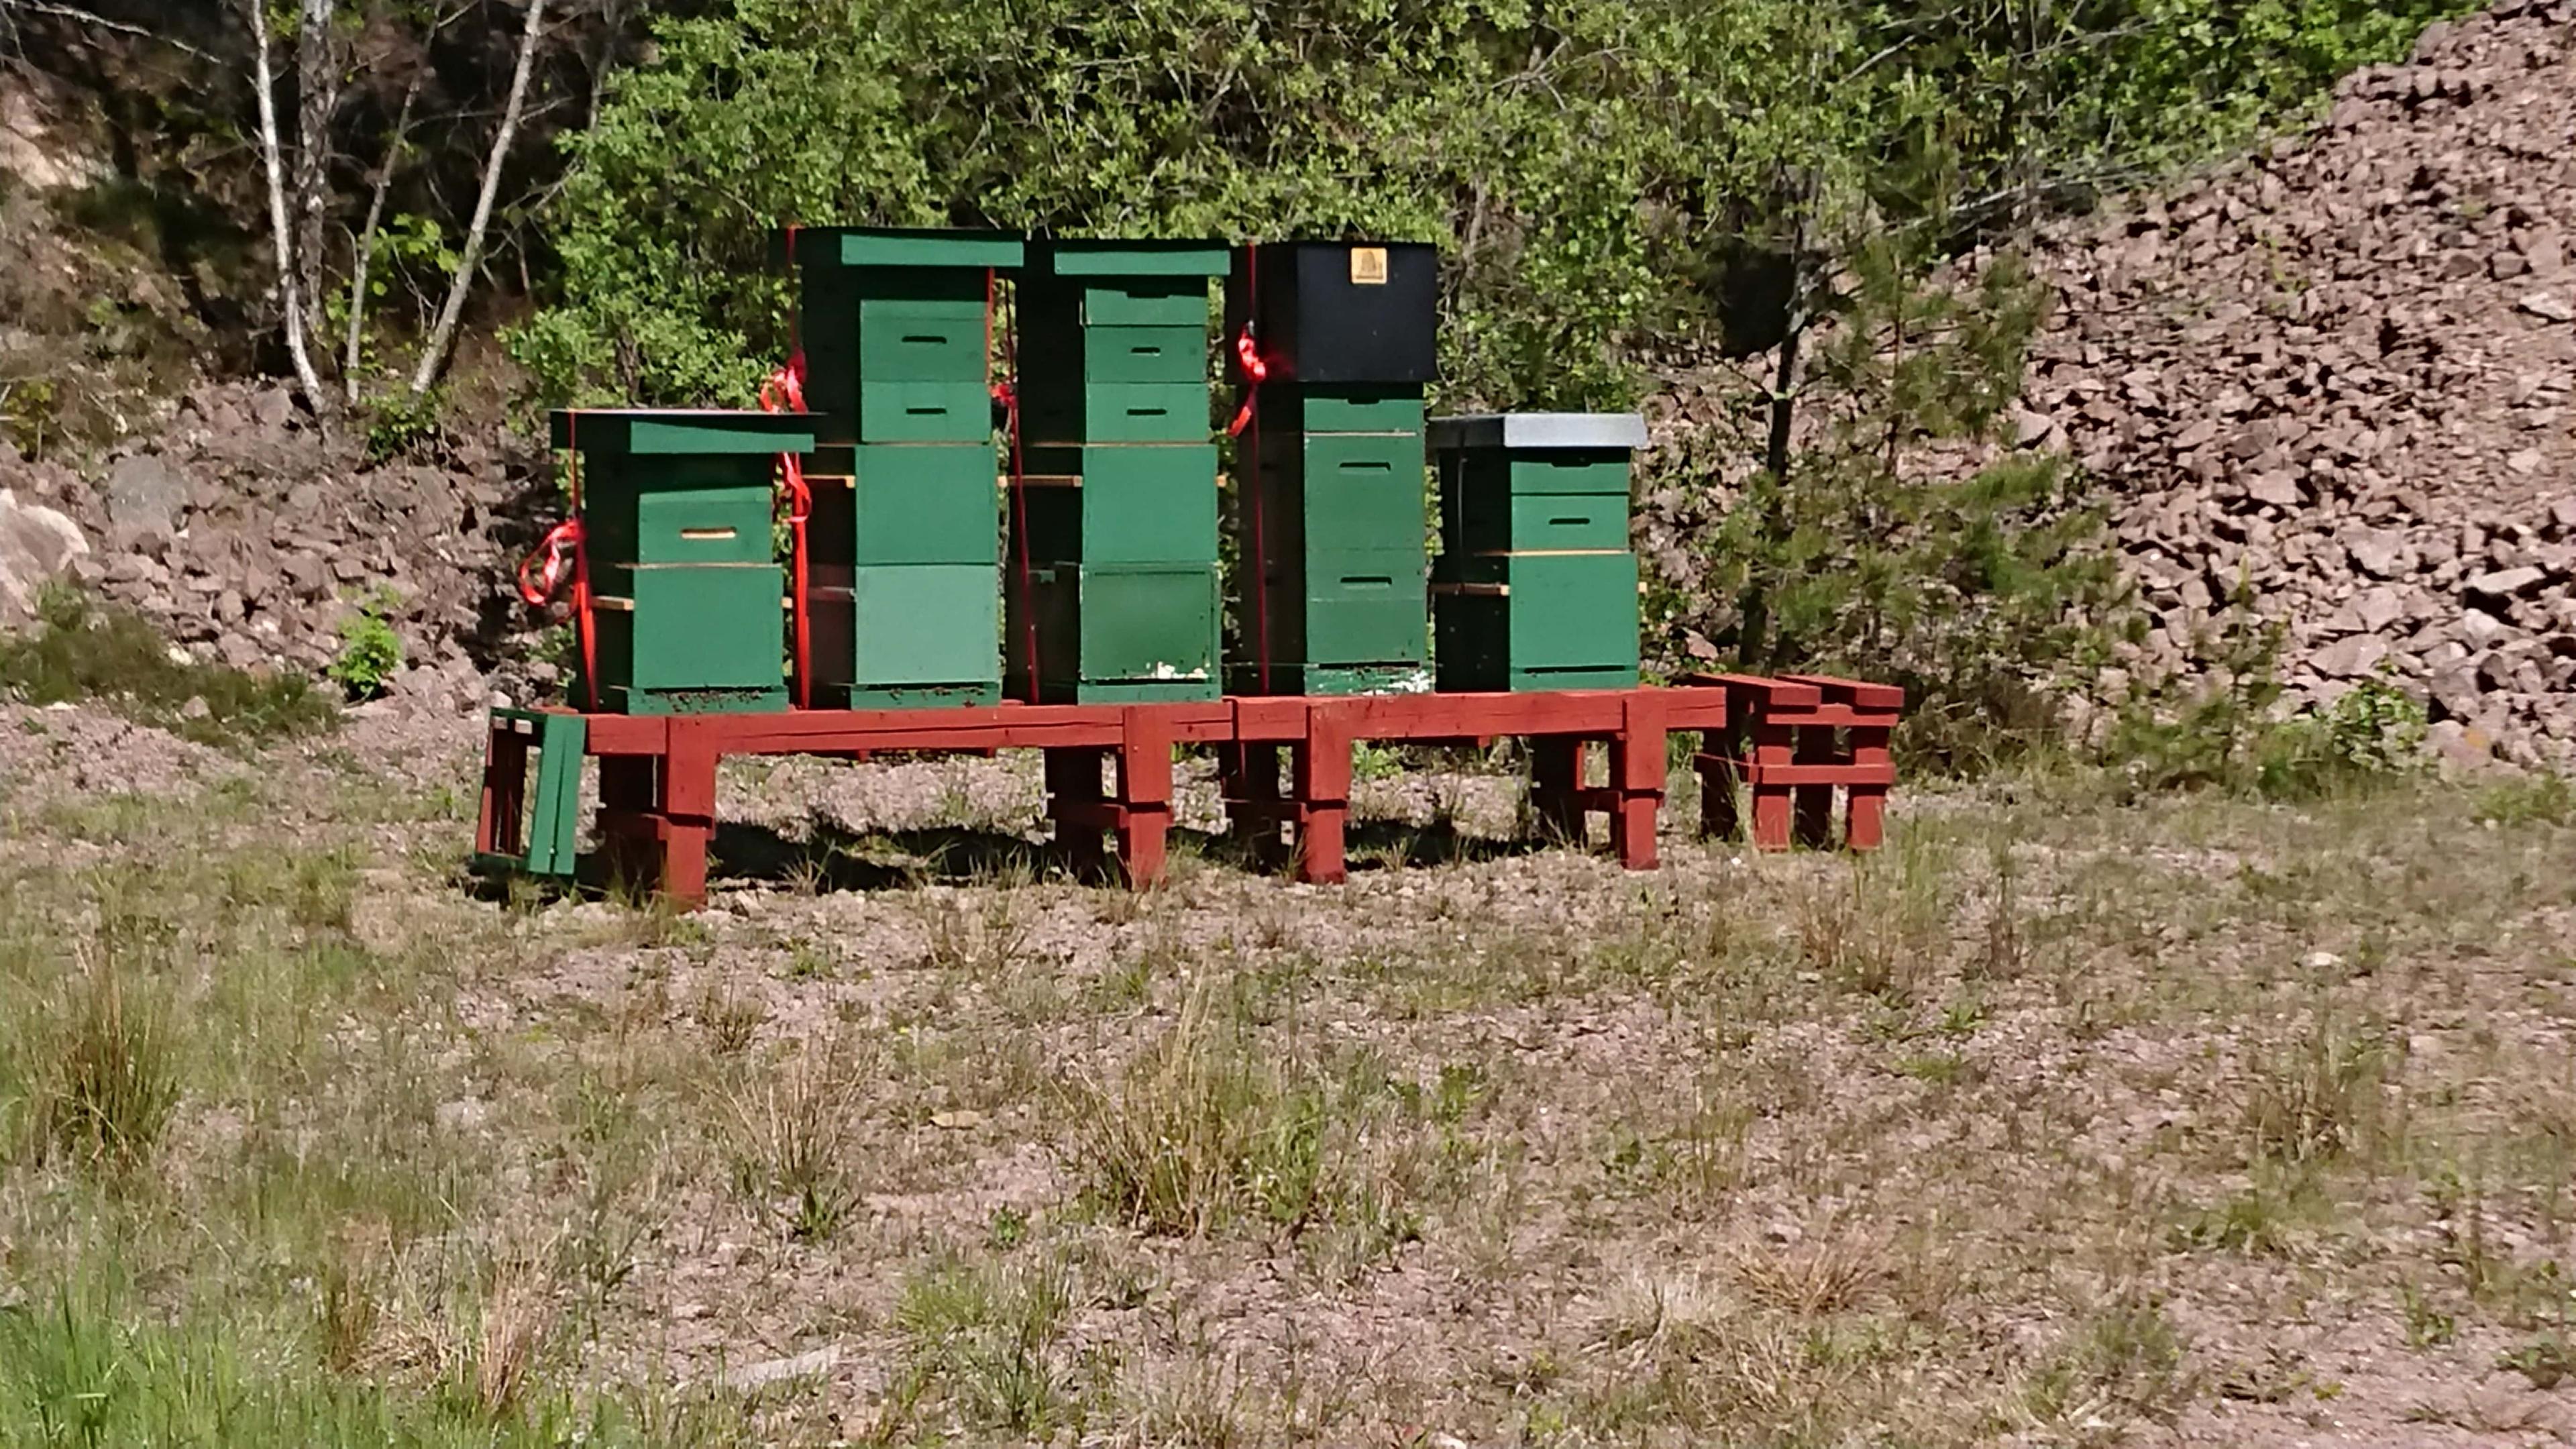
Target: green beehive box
x,y
1359,607
689,638
1336,493
1061,350
1114,340
1107,634
895,331
908,635
1116,412
687,591
1285,409
1142,504
896,504
1539,621
1530,523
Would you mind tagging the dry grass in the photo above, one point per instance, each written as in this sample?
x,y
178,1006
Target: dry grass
x,y
2059,1122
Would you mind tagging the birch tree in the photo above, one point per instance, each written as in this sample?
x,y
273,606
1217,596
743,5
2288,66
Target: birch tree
x,y
273,163
442,338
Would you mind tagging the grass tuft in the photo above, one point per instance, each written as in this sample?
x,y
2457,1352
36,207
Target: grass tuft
x,y
115,1074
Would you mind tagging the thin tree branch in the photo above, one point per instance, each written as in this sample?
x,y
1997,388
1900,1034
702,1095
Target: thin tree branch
x,y
101,22
443,337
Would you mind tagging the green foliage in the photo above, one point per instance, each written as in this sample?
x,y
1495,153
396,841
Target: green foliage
x,y
400,422
370,651
2234,736
1970,594
81,651
84,1367
2541,798
1591,170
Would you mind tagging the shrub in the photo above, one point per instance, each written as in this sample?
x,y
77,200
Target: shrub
x,y
370,651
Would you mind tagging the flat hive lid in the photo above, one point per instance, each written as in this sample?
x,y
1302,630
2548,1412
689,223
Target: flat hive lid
x,y
1538,432
898,246
1126,257
680,432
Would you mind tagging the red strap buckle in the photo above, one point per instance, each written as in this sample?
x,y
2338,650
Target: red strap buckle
x,y
543,573
1256,371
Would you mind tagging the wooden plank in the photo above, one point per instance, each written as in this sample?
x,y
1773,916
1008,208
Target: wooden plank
x,y
1859,692
1763,772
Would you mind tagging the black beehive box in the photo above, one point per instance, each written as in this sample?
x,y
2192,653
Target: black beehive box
x,y
1332,313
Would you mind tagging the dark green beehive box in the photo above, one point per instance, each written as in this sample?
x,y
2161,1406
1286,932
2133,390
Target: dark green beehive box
x,y
686,588
1117,509
1535,587
905,584
1114,634
893,323
1114,340
1106,504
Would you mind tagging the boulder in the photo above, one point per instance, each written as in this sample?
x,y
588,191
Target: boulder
x,y
36,544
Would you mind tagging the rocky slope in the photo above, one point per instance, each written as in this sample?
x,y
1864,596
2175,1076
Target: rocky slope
x,y
249,538
2341,377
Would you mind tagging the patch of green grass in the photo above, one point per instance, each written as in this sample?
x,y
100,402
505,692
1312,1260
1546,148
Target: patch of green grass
x,y
114,1077
2540,798
82,651
81,1367
987,1337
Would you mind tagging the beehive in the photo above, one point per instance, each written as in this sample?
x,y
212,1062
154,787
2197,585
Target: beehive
x,y
686,586
1116,505
1328,518
904,541
1535,587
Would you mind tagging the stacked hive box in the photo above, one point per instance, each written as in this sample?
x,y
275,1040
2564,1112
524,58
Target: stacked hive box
x,y
1117,503
1328,516
904,542
686,588
1535,587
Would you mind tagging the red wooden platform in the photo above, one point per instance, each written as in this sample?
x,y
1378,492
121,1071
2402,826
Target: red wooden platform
x,y
657,774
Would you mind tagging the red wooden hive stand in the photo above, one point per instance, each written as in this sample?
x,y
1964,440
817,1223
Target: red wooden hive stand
x,y
1788,744
1109,767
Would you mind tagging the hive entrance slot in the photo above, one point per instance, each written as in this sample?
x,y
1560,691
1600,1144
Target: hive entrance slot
x,y
707,535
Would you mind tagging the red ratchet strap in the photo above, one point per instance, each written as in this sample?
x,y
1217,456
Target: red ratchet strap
x,y
1247,456
1256,371
785,392
561,557
1007,393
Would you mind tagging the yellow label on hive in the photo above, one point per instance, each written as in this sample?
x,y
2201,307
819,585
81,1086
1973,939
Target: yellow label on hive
x,y
1368,266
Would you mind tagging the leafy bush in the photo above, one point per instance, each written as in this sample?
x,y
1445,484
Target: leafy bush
x,y
2232,735
80,651
370,651
401,422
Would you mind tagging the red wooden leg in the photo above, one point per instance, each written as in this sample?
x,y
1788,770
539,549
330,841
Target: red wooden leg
x,y
500,828
1866,827
1145,789
1771,745
688,809
1637,780
1813,817
1556,773
1323,797
1073,787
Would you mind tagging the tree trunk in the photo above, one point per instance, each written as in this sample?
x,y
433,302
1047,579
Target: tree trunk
x,y
1753,633
442,338
317,88
383,183
272,160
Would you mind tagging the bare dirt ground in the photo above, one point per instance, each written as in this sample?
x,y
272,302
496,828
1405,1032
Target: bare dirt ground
x,y
2058,1122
